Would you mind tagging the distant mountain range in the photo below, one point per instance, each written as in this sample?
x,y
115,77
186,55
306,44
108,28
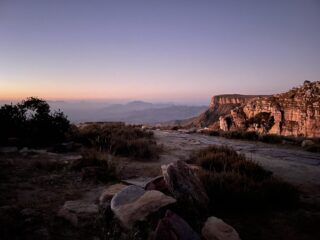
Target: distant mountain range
x,y
135,112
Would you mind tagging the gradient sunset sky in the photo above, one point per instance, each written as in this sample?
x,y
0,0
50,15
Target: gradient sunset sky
x,y
164,50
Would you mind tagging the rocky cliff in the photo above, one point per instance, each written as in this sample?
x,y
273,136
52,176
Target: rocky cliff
x,y
220,105
296,112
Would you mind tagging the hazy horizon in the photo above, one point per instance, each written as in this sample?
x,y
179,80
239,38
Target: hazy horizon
x,y
156,51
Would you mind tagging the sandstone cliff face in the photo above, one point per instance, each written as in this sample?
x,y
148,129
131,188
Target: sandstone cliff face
x,y
296,113
220,105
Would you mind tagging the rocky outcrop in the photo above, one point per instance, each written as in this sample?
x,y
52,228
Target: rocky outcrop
x,y
217,229
296,112
185,186
220,105
173,227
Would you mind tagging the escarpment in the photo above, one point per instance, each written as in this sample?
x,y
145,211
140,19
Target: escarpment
x,y
293,113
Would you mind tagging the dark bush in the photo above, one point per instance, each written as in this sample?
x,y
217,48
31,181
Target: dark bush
x,y
262,120
95,166
32,124
236,192
271,138
233,182
121,140
225,159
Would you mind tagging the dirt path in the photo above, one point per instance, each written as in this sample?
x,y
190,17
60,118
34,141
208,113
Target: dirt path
x,y
294,165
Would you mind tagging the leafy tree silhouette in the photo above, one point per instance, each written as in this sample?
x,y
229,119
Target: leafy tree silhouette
x,y
31,123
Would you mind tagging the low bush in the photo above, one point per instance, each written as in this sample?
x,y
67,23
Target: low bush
x,y
236,192
95,166
224,159
235,183
129,141
251,135
271,138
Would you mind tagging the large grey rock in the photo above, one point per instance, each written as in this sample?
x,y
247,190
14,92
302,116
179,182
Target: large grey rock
x,y
185,186
157,183
134,204
110,191
173,227
216,229
126,196
79,213
139,181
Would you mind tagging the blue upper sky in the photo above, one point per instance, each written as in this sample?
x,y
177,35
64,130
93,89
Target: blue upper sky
x,y
159,50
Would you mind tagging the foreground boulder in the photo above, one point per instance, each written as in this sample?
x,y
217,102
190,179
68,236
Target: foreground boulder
x,y
79,213
216,229
110,191
134,204
185,186
157,183
173,227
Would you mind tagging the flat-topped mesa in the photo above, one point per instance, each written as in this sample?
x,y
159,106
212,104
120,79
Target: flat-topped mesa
x,y
236,99
296,113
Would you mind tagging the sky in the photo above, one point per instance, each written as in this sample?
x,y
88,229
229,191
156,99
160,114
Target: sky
x,y
156,50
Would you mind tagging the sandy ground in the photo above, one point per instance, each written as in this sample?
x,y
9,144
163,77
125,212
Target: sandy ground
x,y
292,164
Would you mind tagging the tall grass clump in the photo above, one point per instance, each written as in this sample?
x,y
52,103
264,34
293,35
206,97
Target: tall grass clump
x,y
236,183
120,140
95,166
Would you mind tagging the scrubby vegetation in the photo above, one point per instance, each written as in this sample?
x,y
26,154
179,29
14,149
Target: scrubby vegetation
x,y
119,139
235,183
262,120
95,166
31,123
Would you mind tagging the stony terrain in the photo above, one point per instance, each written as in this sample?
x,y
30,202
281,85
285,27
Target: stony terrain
x,y
47,199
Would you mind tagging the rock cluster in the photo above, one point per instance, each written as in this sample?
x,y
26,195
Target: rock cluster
x,y
157,202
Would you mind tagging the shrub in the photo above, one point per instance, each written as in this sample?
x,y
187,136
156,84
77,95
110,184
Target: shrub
x,y
224,159
123,140
262,120
234,191
233,182
32,123
95,166
271,138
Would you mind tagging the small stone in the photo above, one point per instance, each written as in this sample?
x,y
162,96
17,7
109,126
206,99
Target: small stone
x,y
307,143
216,229
79,213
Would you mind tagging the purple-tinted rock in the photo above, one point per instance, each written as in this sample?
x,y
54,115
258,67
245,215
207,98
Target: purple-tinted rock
x,y
157,183
173,227
185,186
